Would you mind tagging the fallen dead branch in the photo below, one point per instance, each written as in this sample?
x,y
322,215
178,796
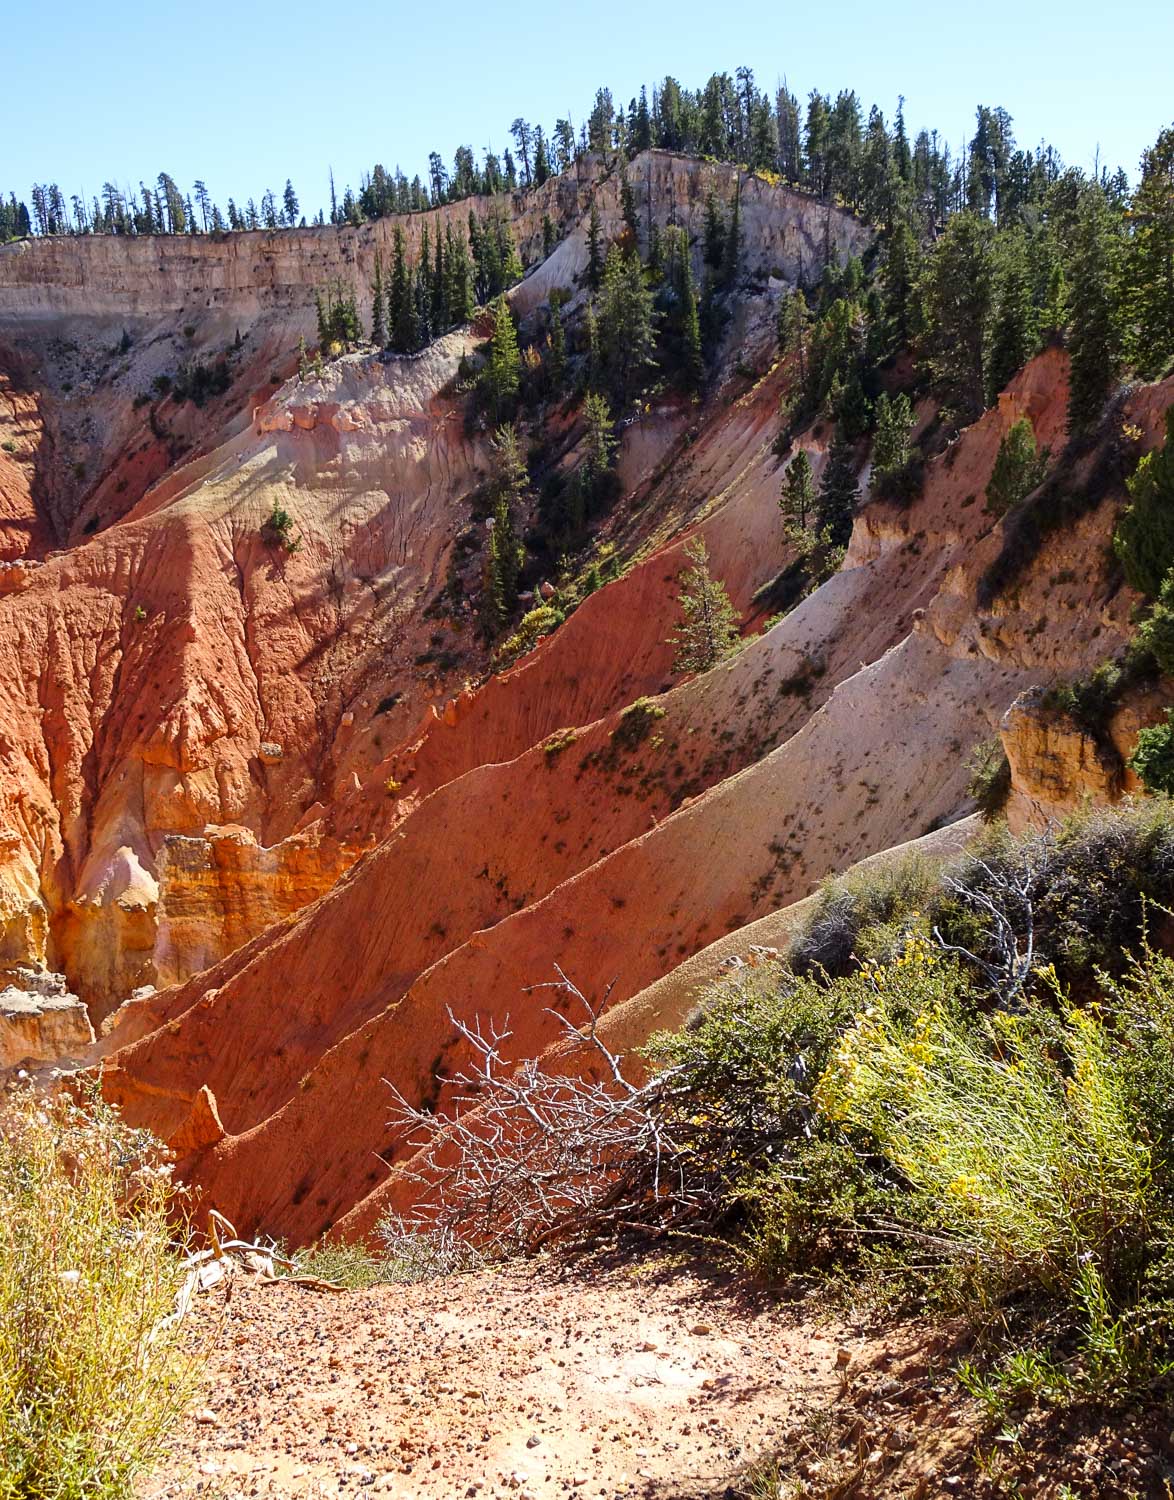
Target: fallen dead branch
x,y
523,1158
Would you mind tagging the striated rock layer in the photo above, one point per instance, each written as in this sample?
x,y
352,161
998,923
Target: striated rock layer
x,y
172,675
619,852
40,1021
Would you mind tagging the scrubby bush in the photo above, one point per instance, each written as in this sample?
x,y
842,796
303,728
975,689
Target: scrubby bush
x,y
857,910
406,1255
990,777
1144,540
542,620
636,723
755,1149
1153,757
1081,890
278,530
1014,1133
90,1267
199,382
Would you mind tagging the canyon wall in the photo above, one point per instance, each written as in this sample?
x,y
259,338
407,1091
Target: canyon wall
x,y
198,727
786,233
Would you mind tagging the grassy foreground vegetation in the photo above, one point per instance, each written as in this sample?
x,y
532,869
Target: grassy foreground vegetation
x,y
978,1070
955,1093
91,1374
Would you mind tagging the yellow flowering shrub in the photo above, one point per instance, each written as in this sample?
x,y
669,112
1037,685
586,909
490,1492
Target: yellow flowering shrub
x,y
1014,1133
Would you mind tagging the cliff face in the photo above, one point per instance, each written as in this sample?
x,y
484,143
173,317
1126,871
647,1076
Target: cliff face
x,y
843,730
786,233
197,727
271,794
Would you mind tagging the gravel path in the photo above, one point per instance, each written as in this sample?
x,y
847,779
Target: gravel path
x,y
633,1381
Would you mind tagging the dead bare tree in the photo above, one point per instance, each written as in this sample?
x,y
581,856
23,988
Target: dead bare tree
x,y
1004,898
528,1155
523,1156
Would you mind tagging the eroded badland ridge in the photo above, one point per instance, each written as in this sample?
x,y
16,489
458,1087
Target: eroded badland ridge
x,y
275,792
398,615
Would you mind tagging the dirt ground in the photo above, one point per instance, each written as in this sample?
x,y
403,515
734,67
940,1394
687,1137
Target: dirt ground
x,y
519,1382
663,1380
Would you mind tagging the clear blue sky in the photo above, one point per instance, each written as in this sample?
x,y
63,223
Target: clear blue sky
x,y
244,95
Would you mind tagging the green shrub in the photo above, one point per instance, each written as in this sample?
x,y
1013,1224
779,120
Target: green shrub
x,y
752,1144
1144,539
990,777
635,724
861,910
554,744
346,1265
1037,1149
1090,701
1016,1136
90,1266
199,382
1153,757
278,530
1088,883
542,620
8,445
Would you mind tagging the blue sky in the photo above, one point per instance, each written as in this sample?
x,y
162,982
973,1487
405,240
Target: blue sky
x,y
245,96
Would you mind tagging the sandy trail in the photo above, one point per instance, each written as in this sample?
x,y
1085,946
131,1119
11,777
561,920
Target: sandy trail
x,y
631,1381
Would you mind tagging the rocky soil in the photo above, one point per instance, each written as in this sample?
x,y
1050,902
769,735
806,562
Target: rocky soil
x,y
632,1380
660,1379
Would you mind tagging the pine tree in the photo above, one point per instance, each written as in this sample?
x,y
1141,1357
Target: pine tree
x,y
511,261
505,556
458,279
714,233
290,204
894,423
732,250
1149,272
502,567
628,208
692,357
594,372
1012,339
708,631
956,289
594,250
502,371
557,344
509,475
378,306
797,495
850,406
901,271
1094,339
1018,469
441,322
1144,540
401,300
541,157
793,320
627,337
838,493
600,442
